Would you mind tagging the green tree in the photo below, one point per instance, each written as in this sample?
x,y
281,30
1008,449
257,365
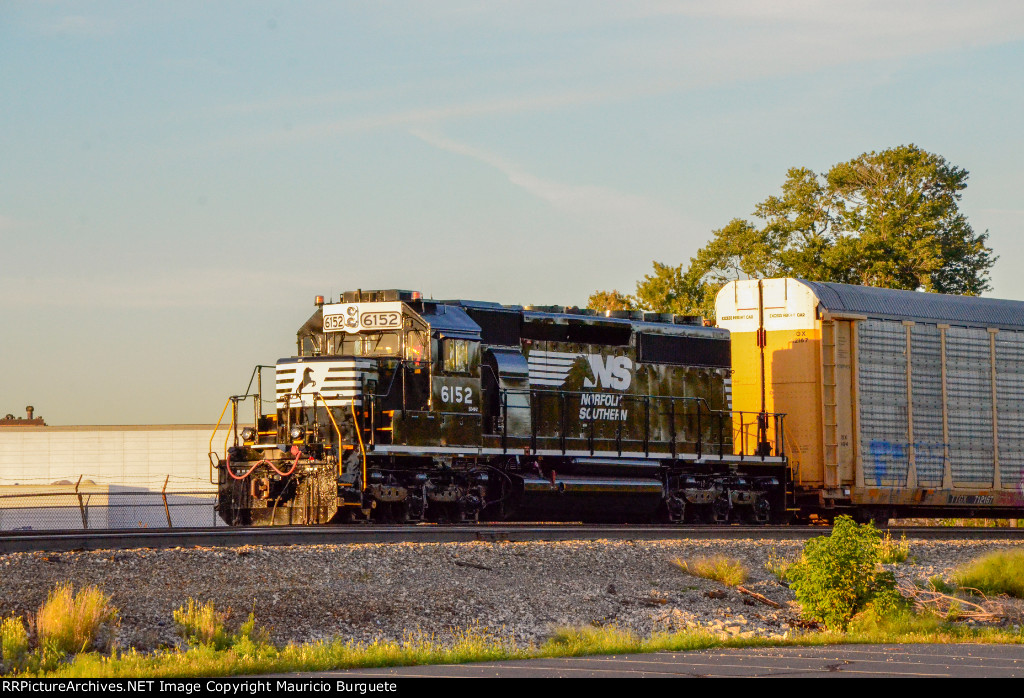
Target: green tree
x,y
886,219
901,206
611,300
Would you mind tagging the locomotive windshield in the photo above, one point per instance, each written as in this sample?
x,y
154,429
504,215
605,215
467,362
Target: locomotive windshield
x,y
364,344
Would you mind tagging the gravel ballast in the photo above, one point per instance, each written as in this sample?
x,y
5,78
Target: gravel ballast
x,y
516,591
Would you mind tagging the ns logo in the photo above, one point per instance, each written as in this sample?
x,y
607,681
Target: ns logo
x,y
609,372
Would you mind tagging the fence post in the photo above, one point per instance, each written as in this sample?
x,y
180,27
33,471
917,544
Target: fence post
x,y
167,510
81,504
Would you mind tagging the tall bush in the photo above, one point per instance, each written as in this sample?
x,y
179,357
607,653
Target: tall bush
x,y
839,575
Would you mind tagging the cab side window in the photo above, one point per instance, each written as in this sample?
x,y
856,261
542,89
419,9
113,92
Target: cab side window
x,y
415,346
309,345
456,355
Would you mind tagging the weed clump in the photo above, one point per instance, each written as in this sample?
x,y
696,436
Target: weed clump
x,y
727,570
893,551
200,624
778,564
937,584
1001,572
69,623
13,644
250,640
839,575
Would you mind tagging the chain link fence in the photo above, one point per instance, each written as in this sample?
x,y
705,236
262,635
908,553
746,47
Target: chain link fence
x,y
96,507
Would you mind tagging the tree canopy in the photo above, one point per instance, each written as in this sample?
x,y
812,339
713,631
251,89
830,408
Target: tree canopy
x,y
887,219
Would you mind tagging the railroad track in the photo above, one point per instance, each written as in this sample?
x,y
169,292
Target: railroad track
x,y
122,539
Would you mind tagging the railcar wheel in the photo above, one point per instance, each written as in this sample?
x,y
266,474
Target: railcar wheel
x,y
878,515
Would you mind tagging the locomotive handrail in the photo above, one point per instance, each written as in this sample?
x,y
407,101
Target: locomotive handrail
x,y
394,377
210,454
327,408
233,424
537,398
257,408
362,449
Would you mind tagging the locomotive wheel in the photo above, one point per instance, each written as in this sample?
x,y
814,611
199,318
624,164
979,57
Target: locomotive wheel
x,y
400,512
391,512
720,510
760,514
674,510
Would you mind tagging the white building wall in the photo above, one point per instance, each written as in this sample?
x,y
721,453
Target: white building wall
x,y
134,456
110,476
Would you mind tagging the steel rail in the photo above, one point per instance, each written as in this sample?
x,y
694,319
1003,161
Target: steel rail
x,y
122,539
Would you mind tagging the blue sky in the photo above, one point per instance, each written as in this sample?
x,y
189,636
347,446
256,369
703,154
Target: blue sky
x,y
178,180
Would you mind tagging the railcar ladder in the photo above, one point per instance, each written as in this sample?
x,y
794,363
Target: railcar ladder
x,y
829,403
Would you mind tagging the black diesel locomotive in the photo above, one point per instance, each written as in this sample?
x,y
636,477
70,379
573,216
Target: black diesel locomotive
x,y
399,408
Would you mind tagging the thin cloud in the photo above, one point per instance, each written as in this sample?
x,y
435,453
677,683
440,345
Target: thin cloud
x,y
600,207
721,43
79,25
421,116
186,288
750,39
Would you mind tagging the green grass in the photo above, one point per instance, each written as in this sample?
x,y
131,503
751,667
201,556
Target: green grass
x,y
937,583
1001,572
13,644
971,523
479,646
213,651
253,658
719,568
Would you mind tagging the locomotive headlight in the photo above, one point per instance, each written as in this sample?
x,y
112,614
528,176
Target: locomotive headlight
x,y
297,432
248,434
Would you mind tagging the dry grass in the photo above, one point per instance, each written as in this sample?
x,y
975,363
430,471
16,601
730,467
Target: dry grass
x,y
68,623
720,568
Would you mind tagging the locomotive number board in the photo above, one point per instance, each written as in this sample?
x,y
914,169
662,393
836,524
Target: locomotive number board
x,y
362,317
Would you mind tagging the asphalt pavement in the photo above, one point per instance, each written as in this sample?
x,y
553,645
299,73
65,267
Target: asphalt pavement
x,y
890,661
